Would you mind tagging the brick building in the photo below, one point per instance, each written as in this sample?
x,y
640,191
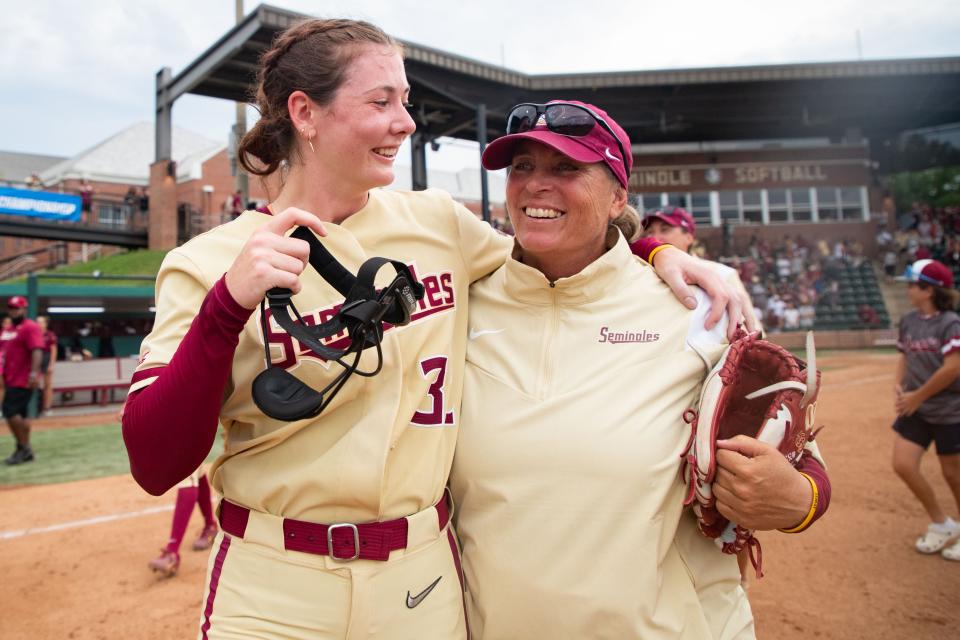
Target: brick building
x,y
766,189
117,171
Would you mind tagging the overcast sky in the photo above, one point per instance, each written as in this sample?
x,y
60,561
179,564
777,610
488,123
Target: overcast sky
x,y
74,73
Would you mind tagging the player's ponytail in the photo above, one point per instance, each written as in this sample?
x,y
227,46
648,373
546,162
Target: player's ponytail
x,y
312,56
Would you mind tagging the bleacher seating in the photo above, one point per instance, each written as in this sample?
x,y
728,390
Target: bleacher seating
x,y
858,287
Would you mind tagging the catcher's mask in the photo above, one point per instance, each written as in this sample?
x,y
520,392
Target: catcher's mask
x,y
283,396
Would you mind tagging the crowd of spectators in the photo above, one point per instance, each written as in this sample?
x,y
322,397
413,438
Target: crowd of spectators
x,y
921,232
790,279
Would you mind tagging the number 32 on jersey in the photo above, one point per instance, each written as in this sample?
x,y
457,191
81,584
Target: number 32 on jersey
x,y
435,370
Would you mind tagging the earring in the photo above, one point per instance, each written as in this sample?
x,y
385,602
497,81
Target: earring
x,y
303,132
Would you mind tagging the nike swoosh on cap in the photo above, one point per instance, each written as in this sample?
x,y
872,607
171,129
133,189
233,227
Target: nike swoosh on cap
x,y
413,601
606,150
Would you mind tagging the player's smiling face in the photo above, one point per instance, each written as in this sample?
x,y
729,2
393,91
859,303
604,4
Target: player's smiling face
x,y
560,208
360,132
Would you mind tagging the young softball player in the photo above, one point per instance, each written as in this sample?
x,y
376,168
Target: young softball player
x,y
927,397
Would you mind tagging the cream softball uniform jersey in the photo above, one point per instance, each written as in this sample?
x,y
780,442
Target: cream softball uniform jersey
x,y
567,475
381,451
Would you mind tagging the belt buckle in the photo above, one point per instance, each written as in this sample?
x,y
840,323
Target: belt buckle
x,y
356,541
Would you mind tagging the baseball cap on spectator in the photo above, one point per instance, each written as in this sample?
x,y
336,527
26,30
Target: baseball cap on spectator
x,y
17,302
598,145
673,216
929,271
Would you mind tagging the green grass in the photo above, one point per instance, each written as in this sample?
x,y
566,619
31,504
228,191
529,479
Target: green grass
x,y
132,263
65,455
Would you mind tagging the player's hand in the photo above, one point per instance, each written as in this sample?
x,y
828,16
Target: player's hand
x,y
271,259
679,270
757,488
907,403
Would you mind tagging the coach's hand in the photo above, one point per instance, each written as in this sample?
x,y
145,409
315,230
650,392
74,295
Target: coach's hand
x,y
679,270
271,259
757,488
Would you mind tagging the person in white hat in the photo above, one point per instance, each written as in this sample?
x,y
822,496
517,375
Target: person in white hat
x,y
927,398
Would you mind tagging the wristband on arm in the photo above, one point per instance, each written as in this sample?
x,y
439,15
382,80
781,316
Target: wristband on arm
x,y
813,508
657,250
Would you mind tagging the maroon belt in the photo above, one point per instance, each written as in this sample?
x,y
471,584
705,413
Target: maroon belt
x,y
341,541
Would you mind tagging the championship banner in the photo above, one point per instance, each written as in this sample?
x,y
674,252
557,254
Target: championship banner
x,y
39,204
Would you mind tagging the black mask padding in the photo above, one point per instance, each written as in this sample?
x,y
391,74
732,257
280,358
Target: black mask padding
x,y
283,396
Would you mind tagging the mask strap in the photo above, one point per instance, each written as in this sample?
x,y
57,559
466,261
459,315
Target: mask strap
x,y
325,264
361,315
359,287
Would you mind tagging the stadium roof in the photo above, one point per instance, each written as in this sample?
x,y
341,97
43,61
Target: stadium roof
x,y
17,167
875,98
125,157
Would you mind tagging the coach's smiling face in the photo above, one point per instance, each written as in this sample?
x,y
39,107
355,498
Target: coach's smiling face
x,y
560,208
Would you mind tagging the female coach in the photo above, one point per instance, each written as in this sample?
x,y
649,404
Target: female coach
x,y
567,471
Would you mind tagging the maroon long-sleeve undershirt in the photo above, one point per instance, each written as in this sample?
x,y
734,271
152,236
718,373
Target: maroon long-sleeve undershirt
x,y
170,425
642,246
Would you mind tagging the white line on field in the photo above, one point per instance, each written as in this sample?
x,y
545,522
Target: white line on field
x,y
858,381
73,524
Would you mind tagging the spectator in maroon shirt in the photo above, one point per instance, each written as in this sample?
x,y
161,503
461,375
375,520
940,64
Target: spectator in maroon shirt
x,y
868,316
21,375
7,333
86,199
48,361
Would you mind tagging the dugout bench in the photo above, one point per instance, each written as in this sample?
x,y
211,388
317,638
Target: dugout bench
x,y
106,380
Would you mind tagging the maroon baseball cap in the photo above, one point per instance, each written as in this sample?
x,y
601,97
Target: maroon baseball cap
x,y
929,271
673,216
596,146
17,302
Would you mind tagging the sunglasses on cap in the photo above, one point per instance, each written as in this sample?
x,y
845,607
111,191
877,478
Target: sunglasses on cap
x,y
566,119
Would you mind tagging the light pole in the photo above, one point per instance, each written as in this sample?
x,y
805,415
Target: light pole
x,y
240,128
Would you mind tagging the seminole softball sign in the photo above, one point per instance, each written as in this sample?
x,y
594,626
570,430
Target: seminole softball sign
x,y
39,204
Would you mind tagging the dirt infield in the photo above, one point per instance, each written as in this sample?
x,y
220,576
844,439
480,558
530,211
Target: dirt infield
x,y
855,575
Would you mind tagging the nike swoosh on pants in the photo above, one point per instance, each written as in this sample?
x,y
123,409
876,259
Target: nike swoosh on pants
x,y
413,601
